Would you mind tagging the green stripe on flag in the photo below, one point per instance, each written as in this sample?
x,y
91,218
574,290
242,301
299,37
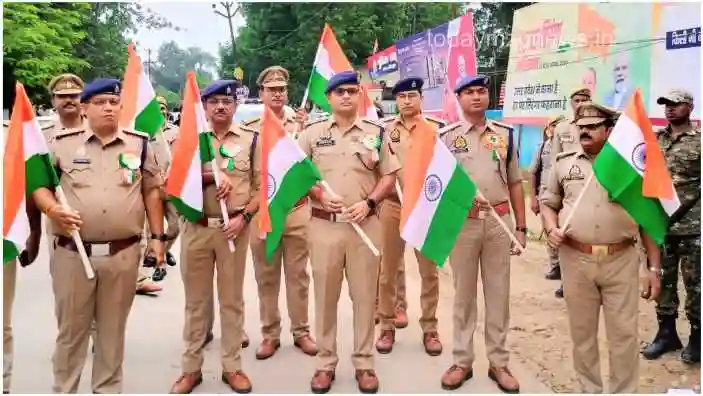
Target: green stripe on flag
x,y
207,153
186,211
40,173
9,251
150,120
316,91
448,220
624,185
295,185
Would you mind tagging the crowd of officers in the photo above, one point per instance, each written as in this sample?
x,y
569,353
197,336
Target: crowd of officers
x,y
608,278
115,212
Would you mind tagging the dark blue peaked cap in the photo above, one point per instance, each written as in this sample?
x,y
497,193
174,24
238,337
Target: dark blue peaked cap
x,y
347,77
408,84
471,81
101,86
220,87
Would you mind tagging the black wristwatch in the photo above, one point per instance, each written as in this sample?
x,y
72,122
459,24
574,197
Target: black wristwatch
x,y
247,216
160,237
372,205
521,229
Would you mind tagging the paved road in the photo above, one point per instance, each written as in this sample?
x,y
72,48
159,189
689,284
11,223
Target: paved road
x,y
154,345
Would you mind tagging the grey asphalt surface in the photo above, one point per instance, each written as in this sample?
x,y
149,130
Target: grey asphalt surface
x,y
154,344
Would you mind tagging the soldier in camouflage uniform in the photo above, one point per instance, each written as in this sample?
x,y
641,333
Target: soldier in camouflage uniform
x,y
681,143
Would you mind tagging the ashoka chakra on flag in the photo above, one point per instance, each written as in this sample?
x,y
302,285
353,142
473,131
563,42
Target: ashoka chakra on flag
x,y
271,188
433,188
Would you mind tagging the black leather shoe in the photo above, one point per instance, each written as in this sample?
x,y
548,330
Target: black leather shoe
x,y
170,260
666,340
149,261
554,274
692,353
559,293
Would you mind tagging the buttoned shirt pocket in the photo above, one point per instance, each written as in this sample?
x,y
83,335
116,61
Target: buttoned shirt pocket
x,y
325,157
79,175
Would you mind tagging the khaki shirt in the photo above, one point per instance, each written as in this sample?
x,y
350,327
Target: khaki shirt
x,y
95,184
289,124
543,155
566,138
471,147
159,143
398,138
50,130
245,175
344,161
597,220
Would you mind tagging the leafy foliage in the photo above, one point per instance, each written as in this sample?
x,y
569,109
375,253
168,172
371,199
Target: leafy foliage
x,y
173,64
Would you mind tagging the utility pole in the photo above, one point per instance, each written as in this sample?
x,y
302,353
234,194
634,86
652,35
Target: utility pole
x,y
229,14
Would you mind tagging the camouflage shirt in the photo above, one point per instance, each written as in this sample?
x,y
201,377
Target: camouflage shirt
x,y
683,159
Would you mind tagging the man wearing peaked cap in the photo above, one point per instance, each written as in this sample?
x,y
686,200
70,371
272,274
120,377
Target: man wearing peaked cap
x,y
488,151
65,90
205,244
680,142
360,182
392,304
107,203
600,259
292,254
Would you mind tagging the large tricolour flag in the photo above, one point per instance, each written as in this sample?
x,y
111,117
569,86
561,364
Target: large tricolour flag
x,y
287,175
437,195
631,167
140,110
192,149
330,60
26,167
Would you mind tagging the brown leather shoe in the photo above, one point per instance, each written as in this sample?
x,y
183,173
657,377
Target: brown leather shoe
x,y
433,346
401,319
367,381
385,341
245,340
504,379
148,287
237,381
267,349
186,383
322,381
456,376
306,344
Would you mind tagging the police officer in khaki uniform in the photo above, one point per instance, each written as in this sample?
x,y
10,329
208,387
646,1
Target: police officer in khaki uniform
x,y
65,90
292,254
599,258
110,179
205,244
487,150
408,97
567,139
348,152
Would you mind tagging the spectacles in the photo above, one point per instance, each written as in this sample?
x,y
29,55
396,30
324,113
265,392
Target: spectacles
x,y
342,91
223,101
408,95
114,101
276,90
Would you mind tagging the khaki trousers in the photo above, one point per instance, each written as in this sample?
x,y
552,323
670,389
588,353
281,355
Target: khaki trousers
x,y
612,282
337,251
391,262
401,301
205,249
107,300
9,277
292,255
484,244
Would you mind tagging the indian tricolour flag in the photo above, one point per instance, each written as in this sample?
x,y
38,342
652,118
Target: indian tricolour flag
x,y
631,167
26,167
140,110
437,195
330,60
192,149
287,175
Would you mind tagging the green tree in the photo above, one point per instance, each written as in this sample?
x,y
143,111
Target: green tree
x,y
37,42
287,34
173,64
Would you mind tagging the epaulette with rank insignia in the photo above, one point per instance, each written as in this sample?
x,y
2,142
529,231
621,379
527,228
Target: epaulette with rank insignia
x,y
247,128
500,124
448,128
68,132
136,133
565,154
437,121
317,121
251,122
372,122
387,119
48,126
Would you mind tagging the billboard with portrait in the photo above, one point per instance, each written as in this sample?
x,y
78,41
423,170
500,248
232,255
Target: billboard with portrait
x,y
611,48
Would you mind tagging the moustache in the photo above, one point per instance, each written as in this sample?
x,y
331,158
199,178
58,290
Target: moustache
x,y
585,136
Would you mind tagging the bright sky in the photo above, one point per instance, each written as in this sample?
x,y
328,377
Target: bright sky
x,y
203,28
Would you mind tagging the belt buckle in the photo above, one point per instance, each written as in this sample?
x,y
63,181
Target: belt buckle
x,y
339,218
214,222
599,250
99,249
481,214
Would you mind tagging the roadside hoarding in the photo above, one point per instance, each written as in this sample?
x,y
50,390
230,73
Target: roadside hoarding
x,y
611,48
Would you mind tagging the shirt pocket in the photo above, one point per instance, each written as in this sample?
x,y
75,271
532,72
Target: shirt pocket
x,y
79,175
324,158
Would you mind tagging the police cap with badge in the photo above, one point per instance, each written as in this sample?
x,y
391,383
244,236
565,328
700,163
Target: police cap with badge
x,y
590,113
273,77
66,84
408,84
580,91
676,96
221,87
101,86
471,81
342,78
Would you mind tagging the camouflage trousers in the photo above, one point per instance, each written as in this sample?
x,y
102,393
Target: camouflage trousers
x,y
685,250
